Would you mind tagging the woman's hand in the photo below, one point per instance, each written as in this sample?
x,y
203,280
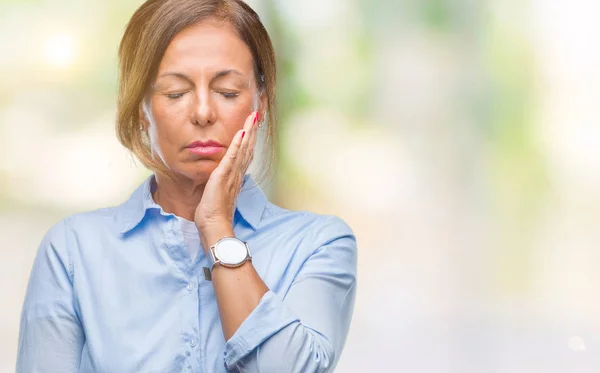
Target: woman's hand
x,y
214,214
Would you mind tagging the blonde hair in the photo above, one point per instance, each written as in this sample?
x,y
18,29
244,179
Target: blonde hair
x,y
149,32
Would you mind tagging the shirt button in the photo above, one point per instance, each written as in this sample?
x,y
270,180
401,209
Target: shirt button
x,y
191,286
192,342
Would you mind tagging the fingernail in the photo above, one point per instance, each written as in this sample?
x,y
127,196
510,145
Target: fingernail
x,y
256,118
243,133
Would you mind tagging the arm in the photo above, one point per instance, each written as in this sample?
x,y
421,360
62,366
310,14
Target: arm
x,y
306,330
50,336
303,331
238,290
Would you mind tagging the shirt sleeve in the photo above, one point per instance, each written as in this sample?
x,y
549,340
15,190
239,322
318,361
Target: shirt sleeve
x,y
50,335
305,330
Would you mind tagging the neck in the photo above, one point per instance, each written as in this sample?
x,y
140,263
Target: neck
x,y
180,196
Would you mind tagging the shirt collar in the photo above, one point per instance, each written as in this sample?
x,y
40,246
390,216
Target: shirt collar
x,y
250,204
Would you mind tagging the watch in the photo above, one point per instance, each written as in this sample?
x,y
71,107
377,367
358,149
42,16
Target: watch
x,y
229,252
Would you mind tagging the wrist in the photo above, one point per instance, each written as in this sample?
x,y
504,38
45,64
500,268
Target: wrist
x,y
211,234
213,223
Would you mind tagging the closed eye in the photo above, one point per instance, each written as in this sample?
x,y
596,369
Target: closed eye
x,y
175,96
229,94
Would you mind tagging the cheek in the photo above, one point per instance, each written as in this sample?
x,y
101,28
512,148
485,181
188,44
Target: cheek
x,y
232,115
166,113
167,118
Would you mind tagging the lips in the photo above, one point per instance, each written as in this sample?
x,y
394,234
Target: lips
x,y
205,144
206,148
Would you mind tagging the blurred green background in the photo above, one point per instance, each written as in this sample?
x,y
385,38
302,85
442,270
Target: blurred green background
x,y
460,140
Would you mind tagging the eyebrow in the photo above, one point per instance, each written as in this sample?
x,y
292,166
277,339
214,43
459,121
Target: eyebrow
x,y
227,72
219,74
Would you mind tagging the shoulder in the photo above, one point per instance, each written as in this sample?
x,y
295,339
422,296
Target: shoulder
x,y
317,229
65,238
65,232
98,219
317,245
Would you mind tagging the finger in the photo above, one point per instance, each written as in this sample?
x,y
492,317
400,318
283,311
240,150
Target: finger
x,y
252,144
247,142
248,127
227,163
236,150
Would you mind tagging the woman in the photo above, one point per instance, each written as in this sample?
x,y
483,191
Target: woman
x,y
197,271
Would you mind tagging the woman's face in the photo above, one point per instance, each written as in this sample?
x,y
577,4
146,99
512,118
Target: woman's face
x,y
204,90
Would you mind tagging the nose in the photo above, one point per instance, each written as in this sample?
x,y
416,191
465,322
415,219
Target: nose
x,y
203,112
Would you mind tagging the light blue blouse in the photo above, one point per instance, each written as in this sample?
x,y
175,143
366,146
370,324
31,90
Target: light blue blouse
x,y
114,290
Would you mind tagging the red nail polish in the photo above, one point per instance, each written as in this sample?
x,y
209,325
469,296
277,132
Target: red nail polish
x,y
243,133
255,118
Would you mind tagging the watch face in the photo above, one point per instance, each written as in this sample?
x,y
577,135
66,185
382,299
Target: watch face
x,y
231,251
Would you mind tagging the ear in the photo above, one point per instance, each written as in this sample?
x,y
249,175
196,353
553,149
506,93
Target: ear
x,y
142,115
262,109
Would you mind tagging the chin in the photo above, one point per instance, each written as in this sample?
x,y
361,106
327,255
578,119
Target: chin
x,y
201,169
